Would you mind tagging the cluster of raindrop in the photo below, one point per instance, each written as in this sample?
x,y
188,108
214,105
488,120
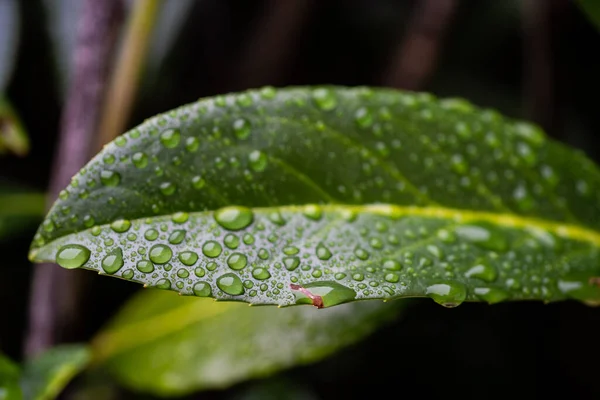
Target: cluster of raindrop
x,y
329,254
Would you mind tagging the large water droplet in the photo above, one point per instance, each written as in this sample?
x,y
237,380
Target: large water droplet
x,y
258,160
328,293
176,237
145,266
291,263
72,256
313,211
482,270
120,225
261,273
212,249
234,218
392,265
324,98
164,284
202,289
230,284
484,235
237,261
160,254
151,234
110,178
170,138
188,258
448,294
113,262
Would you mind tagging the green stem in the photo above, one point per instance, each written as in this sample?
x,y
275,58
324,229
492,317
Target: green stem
x,y
125,77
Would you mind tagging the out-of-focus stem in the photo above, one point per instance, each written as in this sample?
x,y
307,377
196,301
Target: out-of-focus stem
x,y
127,70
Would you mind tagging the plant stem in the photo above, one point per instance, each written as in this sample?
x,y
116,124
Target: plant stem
x,y
55,291
416,57
127,71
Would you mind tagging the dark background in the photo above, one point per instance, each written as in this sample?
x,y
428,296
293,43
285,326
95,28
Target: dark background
x,y
486,54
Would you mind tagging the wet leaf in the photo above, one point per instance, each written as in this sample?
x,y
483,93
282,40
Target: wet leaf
x,y
169,345
13,137
46,376
329,194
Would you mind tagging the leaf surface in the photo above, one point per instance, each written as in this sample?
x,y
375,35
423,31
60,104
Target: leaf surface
x,y
13,136
9,379
46,376
170,346
329,194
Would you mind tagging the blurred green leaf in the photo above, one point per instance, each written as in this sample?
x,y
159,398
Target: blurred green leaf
x,y
45,376
9,379
592,10
169,345
13,136
19,209
9,39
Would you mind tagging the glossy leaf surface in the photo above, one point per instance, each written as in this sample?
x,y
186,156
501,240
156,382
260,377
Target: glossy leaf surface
x,y
418,197
170,345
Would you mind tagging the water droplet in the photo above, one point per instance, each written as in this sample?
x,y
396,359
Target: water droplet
x,y
263,254
435,251
276,218
313,211
317,273
248,238
198,182
526,154
291,263
391,277
230,284
231,241
376,243
121,141
170,138
361,253
237,261
323,253
483,235
324,98
164,284
392,265
330,293
202,289
580,286
180,217
110,178
290,250
188,258
199,272
234,218
192,144
109,159
258,160
490,294
151,234
88,221
160,254
241,128
127,274
113,262
167,188
261,273
358,277
482,270
212,249
268,92
448,294
523,198
72,256
140,160
459,164
363,117
120,225
145,266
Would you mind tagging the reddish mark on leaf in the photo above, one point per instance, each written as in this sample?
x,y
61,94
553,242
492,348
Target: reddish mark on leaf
x,y
594,280
317,300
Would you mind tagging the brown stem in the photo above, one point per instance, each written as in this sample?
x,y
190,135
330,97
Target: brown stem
x,y
55,292
266,56
416,57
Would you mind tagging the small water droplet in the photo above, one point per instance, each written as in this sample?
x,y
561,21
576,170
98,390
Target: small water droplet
x,y
330,293
160,254
291,263
145,266
188,258
170,138
180,217
164,284
167,188
202,289
198,182
313,211
459,164
261,273
241,128
263,254
121,141
358,277
231,241
448,294
237,261
73,256
392,265
113,261
391,277
323,253
120,225
324,98
276,218
268,92
192,144
491,294
361,253
483,235
258,160
248,238
151,234
231,284
110,178
234,218
482,270
363,117
127,274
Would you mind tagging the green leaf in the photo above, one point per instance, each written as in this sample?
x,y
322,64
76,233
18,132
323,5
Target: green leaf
x,y
46,376
12,133
592,9
419,197
9,380
19,209
170,345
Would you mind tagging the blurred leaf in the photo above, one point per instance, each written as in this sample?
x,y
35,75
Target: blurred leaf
x,y
276,388
9,379
9,39
592,10
46,376
12,133
19,209
465,193
170,345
